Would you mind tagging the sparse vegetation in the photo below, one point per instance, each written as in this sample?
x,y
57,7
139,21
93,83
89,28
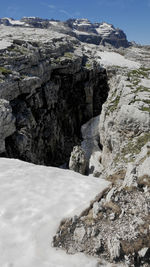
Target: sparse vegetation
x,y
68,55
114,104
135,148
4,71
147,109
142,89
18,49
132,148
142,72
88,65
119,175
134,76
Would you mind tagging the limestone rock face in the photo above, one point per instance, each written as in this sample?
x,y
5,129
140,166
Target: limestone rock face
x,y
125,119
77,161
51,91
99,33
7,123
116,224
90,145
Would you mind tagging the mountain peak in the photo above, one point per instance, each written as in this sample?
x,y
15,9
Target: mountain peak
x,y
97,33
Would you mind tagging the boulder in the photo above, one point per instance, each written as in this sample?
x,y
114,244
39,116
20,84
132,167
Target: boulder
x,y
77,161
7,123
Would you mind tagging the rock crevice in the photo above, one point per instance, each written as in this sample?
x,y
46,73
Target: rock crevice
x,y
51,97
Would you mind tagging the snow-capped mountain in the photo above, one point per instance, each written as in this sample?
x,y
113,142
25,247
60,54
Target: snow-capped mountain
x,y
85,31
99,33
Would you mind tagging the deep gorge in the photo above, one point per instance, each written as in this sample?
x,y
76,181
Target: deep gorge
x,y
49,119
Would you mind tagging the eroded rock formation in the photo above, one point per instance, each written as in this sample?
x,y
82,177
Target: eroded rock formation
x,y
117,144
52,92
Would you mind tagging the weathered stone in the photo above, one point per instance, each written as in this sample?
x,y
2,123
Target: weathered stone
x,y
114,248
48,88
7,123
77,161
79,234
131,176
142,252
96,209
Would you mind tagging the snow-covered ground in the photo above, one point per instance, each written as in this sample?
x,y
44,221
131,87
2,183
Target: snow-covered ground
x,y
33,200
112,58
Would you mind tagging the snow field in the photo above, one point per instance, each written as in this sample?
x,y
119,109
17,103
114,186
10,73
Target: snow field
x,y
33,201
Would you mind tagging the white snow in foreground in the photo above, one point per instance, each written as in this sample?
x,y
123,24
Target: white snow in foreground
x,y
112,58
4,44
33,200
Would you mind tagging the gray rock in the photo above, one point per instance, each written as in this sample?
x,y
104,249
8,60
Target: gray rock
x,y
96,209
77,161
142,252
7,123
131,176
79,234
114,248
29,85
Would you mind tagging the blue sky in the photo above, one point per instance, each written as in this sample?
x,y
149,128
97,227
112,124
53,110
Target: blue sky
x,y
133,16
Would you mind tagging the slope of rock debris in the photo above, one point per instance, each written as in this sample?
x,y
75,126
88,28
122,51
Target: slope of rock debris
x,y
114,229
116,226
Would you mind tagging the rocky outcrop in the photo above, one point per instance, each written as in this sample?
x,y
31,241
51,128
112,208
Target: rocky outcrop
x,y
125,120
52,93
77,160
116,224
7,123
91,146
98,33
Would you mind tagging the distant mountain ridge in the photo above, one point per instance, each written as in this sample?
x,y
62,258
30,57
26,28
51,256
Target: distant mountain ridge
x,y
84,30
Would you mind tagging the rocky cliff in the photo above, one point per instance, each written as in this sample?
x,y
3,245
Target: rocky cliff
x,y
52,90
57,92
117,147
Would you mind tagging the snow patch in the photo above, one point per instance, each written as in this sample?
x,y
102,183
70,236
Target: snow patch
x,y
33,200
115,59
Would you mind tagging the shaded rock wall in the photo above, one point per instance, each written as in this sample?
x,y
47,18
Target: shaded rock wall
x,y
50,98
